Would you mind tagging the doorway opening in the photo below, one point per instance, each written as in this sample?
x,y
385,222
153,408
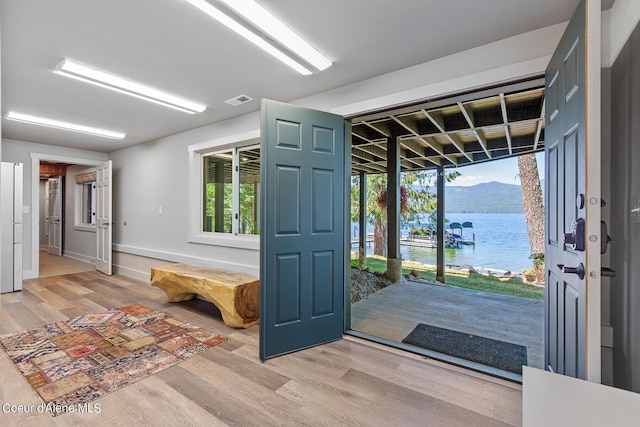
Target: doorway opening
x,y
60,239
441,137
66,213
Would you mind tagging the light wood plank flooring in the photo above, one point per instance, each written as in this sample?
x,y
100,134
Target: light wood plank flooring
x,y
394,311
347,382
52,265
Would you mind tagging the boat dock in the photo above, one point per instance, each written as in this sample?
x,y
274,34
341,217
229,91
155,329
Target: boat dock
x,y
453,238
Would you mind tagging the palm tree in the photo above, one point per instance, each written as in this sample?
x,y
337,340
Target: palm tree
x,y
533,209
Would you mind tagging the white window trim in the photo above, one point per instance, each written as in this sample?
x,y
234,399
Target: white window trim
x,y
196,154
77,202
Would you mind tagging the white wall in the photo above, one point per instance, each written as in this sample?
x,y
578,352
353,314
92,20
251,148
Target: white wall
x,y
155,174
25,152
623,17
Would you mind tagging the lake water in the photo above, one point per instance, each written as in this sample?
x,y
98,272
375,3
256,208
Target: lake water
x,y
502,243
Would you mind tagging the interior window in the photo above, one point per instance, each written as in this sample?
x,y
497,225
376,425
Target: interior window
x,y
249,194
88,207
224,193
218,192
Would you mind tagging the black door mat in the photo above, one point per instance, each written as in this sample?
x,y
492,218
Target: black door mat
x,y
486,351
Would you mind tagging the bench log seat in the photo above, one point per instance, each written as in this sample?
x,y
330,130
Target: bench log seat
x,y
237,295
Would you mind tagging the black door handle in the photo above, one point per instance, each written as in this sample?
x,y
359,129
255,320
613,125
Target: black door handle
x,y
579,270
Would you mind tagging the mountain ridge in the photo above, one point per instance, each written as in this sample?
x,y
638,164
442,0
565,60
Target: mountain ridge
x,y
488,197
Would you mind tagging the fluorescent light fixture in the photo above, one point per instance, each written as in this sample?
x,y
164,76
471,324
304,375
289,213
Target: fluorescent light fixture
x,y
109,81
263,20
43,121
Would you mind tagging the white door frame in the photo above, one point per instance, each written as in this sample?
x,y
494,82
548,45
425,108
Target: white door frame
x,y
104,218
35,202
594,192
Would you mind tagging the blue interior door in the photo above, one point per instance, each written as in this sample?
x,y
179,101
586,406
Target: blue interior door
x,y
302,245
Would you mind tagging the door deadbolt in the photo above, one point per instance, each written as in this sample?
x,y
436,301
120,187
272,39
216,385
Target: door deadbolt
x,y
576,239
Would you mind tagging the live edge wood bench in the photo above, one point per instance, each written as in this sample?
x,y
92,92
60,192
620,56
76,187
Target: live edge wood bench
x,y
237,295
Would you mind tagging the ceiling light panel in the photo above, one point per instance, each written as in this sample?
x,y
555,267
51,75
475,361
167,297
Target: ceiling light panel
x,y
112,82
57,124
263,19
265,23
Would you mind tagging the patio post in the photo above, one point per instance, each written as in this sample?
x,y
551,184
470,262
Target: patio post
x,y
362,241
440,226
394,260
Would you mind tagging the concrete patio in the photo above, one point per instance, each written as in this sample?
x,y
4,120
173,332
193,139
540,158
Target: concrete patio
x,y
394,311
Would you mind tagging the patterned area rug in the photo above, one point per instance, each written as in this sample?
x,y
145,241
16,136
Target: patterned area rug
x,y
72,363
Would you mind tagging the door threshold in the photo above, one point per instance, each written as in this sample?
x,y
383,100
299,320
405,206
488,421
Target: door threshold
x,y
477,367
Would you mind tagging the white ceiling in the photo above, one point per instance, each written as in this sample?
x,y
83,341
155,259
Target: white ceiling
x,y
170,45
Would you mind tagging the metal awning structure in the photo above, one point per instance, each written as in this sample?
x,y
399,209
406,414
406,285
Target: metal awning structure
x,y
457,130
454,131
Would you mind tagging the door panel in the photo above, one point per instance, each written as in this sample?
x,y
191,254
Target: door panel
x,y
572,289
553,313
54,186
572,328
302,242
104,221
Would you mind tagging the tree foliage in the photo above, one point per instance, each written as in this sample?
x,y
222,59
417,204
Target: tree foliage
x,y
247,198
420,207
421,202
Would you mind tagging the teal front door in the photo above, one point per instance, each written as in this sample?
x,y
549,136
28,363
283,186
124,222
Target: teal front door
x,y
572,175
302,244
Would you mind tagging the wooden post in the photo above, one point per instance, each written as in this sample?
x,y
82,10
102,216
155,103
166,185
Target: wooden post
x,y
394,261
440,226
362,223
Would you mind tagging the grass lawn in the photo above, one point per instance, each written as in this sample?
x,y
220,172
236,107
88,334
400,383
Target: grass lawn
x,y
462,279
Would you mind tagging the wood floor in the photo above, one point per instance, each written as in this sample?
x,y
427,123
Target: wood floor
x,y
52,265
347,382
394,311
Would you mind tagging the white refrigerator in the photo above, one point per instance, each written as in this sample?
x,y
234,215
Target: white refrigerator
x,y
11,227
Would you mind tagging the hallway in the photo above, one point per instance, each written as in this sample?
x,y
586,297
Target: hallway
x,y
52,265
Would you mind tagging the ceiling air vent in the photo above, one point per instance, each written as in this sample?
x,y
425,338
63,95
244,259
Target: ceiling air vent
x,y
237,100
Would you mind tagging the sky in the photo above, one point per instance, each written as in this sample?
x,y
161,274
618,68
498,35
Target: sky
x,y
505,171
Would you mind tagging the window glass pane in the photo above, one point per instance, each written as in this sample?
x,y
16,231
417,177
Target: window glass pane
x,y
88,206
218,192
249,202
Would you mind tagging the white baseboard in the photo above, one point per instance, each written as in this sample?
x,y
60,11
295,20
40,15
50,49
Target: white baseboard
x,y
144,276
80,257
29,274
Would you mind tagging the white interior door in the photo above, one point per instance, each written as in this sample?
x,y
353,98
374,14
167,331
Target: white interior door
x,y
54,186
104,222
